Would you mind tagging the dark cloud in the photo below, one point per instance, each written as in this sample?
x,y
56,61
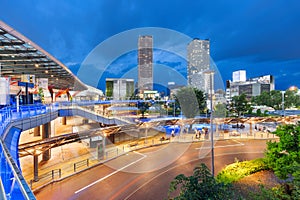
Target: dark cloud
x,y
261,36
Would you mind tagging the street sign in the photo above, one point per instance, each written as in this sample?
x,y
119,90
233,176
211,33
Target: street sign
x,y
25,84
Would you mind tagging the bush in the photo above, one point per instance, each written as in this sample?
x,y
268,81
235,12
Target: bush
x,y
239,170
201,185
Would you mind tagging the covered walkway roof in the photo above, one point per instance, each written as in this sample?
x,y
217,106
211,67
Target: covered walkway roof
x,y
19,55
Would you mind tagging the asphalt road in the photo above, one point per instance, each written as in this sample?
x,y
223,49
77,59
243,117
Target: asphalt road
x,y
147,173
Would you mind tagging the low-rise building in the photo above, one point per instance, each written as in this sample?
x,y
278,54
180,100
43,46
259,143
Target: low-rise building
x,y
119,89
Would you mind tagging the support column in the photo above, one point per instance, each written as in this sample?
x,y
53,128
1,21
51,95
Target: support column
x,y
250,128
217,130
46,132
35,168
64,121
36,131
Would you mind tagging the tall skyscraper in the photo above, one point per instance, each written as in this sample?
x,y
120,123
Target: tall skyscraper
x,y
145,63
198,62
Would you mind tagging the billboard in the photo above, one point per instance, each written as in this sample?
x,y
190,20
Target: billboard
x,y
42,83
4,91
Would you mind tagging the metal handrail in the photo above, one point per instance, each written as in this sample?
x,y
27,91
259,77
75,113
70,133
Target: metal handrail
x,y
2,193
27,193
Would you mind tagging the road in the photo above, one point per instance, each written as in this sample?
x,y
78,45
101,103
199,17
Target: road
x,y
147,173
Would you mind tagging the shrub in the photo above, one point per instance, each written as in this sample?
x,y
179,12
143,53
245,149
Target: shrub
x,y
239,170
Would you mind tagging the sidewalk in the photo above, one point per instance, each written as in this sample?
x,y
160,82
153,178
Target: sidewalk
x,y
72,158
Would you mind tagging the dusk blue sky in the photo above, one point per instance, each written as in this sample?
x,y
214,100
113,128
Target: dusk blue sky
x,y
260,36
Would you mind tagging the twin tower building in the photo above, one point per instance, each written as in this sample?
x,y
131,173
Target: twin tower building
x,y
198,58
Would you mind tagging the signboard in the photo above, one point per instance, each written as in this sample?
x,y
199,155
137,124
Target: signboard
x,y
43,83
4,91
239,76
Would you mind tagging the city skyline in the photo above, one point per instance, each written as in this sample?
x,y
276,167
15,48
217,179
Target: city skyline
x,y
260,37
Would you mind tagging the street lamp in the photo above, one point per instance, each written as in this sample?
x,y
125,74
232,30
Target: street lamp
x,y
211,78
282,103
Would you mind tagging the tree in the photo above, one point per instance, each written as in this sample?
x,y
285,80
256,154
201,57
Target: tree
x,y
191,101
284,156
220,110
291,99
201,185
143,107
239,105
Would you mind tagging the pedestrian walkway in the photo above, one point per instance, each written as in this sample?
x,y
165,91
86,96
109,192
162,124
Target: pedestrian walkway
x,y
72,158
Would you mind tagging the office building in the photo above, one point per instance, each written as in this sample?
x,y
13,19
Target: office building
x,y
251,87
239,76
145,63
119,89
198,56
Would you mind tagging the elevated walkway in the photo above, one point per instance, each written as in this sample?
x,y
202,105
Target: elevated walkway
x,y
13,121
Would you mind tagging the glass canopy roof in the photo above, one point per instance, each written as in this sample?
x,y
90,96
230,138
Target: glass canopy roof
x,y
19,55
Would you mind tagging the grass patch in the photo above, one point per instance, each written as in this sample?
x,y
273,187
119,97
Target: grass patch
x,y
239,170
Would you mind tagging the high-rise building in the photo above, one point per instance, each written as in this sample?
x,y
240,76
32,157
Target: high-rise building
x,y
198,57
145,63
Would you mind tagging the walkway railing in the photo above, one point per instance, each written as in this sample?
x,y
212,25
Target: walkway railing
x,y
14,185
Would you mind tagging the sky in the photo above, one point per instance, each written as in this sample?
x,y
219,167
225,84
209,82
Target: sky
x,y
259,36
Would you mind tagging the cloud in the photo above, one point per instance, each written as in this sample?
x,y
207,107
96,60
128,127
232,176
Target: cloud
x,y
259,36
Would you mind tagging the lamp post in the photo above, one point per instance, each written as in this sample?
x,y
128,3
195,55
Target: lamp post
x,y
211,74
282,103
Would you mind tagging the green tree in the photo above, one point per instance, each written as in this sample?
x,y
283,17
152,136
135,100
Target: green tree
x,y
191,101
201,185
291,99
220,110
143,107
283,156
239,105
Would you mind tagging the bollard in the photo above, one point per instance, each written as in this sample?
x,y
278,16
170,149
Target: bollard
x,y
52,174
123,148
74,167
152,141
59,173
106,155
87,162
31,184
117,151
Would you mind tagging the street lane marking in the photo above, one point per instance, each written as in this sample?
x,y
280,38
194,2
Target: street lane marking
x,y
190,161
230,145
224,146
109,175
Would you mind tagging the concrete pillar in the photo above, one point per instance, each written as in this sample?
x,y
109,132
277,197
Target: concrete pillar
x,y
101,150
250,128
35,168
64,121
36,131
46,133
